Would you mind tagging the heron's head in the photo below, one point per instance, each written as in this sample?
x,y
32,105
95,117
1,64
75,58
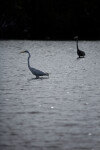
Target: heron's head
x,y
76,37
24,51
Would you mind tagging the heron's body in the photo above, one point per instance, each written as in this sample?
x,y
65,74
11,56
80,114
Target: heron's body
x,y
34,71
80,53
37,72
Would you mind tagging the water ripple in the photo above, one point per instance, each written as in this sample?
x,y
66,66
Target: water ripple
x,y
61,112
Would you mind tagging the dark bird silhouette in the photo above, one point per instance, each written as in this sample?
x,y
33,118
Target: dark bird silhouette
x,y
34,71
80,53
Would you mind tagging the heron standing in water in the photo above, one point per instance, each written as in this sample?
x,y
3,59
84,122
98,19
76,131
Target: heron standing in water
x,y
34,71
80,53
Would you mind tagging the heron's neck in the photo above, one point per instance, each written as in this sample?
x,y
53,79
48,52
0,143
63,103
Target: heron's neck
x,y
77,44
29,61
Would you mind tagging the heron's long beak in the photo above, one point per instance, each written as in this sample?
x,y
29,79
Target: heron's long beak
x,y
22,52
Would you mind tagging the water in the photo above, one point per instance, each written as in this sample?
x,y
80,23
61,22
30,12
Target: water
x,y
61,112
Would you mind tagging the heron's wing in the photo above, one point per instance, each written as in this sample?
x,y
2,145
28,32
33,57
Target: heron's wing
x,y
37,72
82,52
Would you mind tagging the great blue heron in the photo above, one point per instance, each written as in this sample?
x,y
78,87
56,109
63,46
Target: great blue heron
x,y
80,53
34,71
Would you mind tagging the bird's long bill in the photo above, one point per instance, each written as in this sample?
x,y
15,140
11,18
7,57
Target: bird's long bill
x,y
22,52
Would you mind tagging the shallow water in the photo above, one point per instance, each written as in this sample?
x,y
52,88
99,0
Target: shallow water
x,y
61,112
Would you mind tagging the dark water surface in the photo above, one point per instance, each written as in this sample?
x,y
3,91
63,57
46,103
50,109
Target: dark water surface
x,y
61,112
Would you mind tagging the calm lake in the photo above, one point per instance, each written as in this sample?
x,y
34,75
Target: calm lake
x,y
61,112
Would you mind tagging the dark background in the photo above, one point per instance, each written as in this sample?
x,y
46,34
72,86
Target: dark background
x,y
50,19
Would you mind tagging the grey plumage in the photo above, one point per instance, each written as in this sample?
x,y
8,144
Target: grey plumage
x,y
34,71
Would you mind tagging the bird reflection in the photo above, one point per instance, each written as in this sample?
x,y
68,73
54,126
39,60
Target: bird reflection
x,y
39,79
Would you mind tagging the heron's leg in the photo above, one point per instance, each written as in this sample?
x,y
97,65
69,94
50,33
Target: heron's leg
x,y
37,77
